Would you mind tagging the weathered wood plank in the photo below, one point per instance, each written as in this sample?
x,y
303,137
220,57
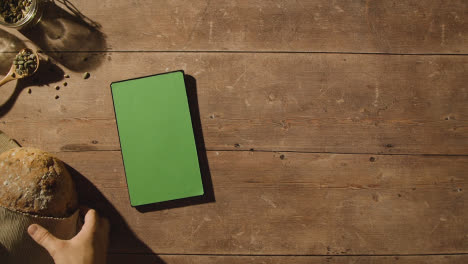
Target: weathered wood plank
x,y
194,259
64,134
429,26
290,203
299,102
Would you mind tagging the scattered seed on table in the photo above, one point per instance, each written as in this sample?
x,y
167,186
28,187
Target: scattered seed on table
x,y
66,76
86,75
57,97
29,91
57,87
65,84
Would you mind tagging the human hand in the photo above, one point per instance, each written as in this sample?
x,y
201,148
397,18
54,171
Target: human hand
x,y
89,246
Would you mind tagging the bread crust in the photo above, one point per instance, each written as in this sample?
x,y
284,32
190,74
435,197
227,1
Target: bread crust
x,y
35,182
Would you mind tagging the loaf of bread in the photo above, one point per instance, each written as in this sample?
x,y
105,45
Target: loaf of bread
x,y
35,182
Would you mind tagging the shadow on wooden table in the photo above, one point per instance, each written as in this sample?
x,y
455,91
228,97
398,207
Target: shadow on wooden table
x,y
3,252
46,74
9,44
68,30
209,196
122,237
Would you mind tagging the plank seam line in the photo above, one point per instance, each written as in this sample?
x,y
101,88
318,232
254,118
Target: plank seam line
x,y
259,51
342,153
291,151
292,255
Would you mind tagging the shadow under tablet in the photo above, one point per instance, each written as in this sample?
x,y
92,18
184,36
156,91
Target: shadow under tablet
x,y
208,196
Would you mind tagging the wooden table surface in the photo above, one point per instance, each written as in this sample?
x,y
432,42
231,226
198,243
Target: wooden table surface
x,y
335,131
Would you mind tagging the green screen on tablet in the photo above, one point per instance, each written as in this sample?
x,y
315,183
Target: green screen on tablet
x,y
156,138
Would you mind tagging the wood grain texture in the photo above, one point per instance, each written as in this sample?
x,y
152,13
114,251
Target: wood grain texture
x,y
263,84
285,102
170,259
299,204
429,26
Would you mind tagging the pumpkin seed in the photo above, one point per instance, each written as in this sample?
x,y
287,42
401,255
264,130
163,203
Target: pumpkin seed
x,y
25,62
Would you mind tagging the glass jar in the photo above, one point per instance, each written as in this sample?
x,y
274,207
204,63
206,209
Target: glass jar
x,y
30,18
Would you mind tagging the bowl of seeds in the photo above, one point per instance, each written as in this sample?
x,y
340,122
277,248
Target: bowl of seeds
x,y
20,14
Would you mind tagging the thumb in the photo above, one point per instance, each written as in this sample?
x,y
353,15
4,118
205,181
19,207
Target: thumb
x,y
44,238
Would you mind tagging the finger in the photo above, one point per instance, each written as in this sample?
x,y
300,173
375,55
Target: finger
x,y
44,238
90,221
